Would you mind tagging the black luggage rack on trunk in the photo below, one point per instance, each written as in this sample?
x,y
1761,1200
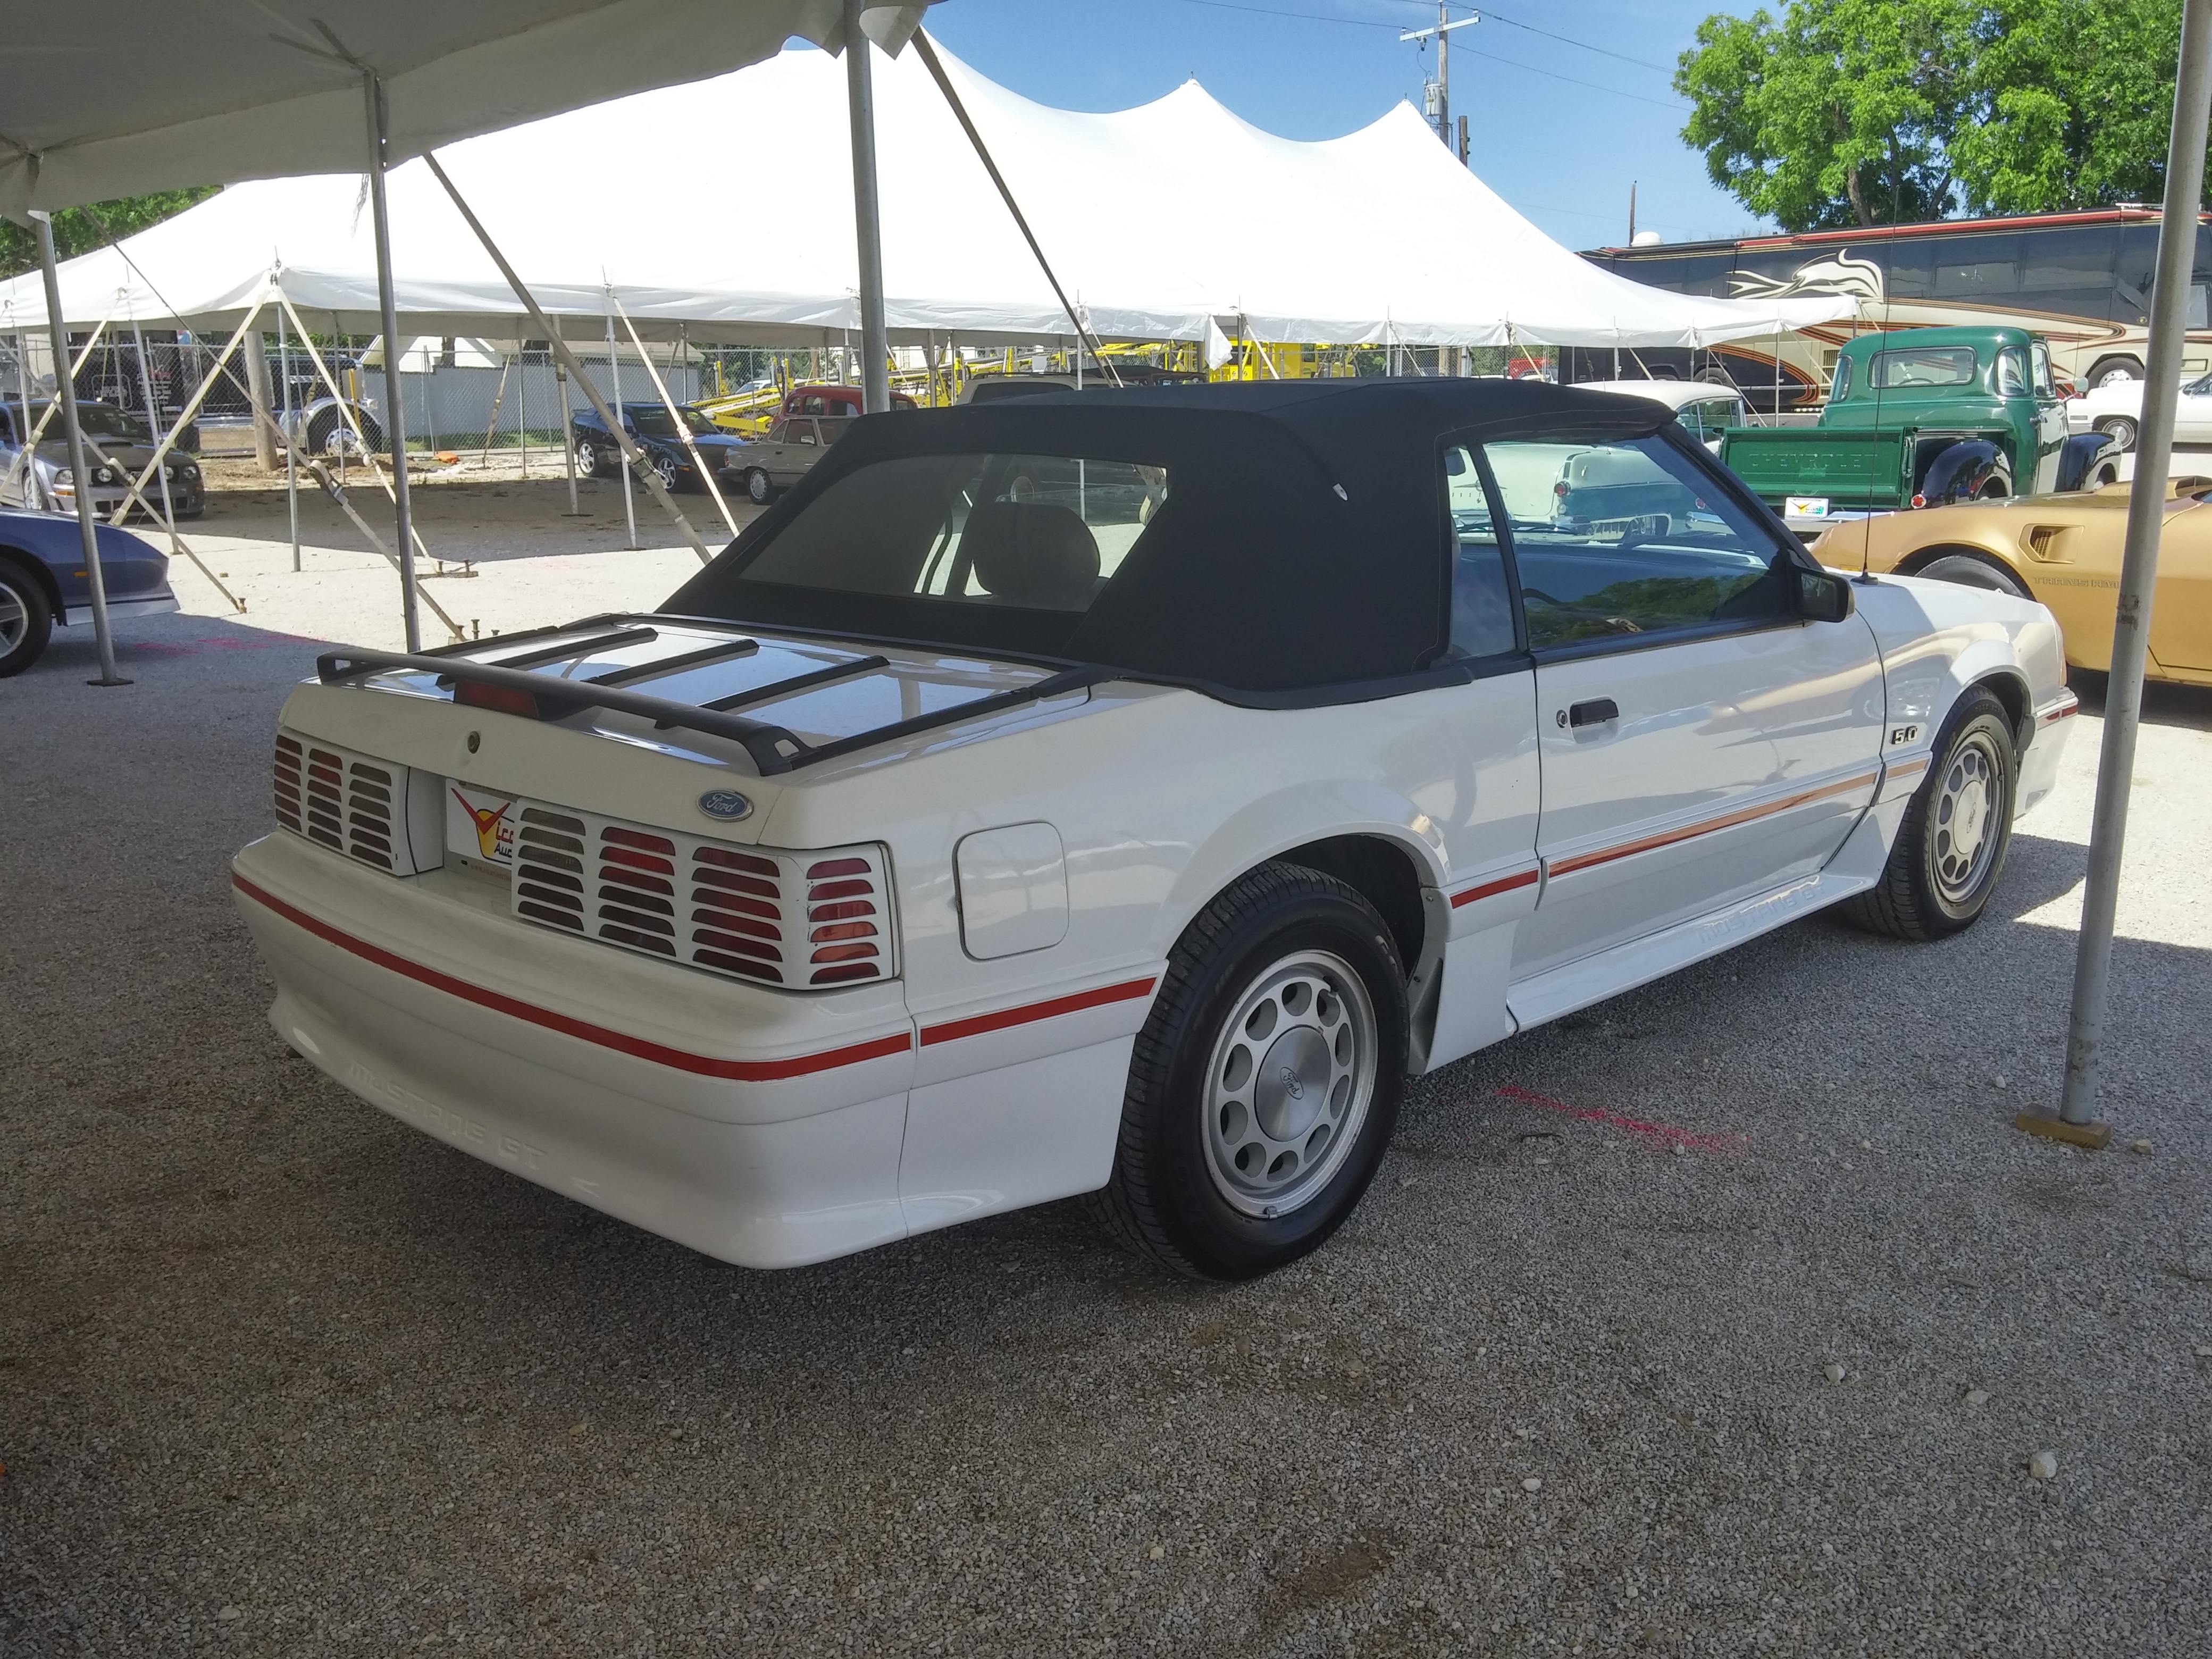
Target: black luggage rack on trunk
x,y
773,749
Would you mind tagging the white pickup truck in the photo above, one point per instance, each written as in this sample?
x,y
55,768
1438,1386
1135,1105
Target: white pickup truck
x,y
1118,794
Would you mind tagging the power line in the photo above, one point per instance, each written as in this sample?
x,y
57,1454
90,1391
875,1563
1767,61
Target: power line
x,y
1368,23
1490,15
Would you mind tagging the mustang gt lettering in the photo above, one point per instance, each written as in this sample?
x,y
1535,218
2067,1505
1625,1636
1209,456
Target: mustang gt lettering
x,y
1120,793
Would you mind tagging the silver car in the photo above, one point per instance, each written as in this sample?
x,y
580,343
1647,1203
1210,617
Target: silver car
x,y
767,466
43,479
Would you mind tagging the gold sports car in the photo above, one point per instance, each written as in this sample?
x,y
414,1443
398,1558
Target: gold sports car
x,y
2063,550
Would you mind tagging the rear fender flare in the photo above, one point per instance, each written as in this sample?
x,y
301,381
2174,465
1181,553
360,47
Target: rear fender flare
x,y
1958,472
2077,456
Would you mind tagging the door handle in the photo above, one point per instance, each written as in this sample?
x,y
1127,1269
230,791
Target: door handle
x,y
1596,712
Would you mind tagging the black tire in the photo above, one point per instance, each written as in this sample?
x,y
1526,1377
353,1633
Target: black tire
x,y
758,490
2108,370
1973,570
2121,430
1924,892
26,620
1714,374
1173,1196
588,458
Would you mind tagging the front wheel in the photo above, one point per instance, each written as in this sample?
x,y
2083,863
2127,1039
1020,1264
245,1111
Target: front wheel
x,y
1265,1084
1951,848
587,458
27,621
666,470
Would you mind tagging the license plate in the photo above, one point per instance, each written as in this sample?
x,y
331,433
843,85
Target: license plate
x,y
480,825
1805,507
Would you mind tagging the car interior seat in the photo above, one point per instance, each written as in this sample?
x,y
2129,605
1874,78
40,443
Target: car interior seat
x,y
1038,555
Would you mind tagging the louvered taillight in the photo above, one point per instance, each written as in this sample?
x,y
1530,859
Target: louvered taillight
x,y
800,920
349,803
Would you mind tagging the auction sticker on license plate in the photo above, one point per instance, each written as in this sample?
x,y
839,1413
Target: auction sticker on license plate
x,y
1805,507
480,825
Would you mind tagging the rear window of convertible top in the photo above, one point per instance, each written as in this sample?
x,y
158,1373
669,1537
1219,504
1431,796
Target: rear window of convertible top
x,y
1035,532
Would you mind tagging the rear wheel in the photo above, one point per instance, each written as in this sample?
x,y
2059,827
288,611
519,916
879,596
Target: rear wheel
x,y
1266,1081
1973,570
1950,850
2121,430
2111,371
27,621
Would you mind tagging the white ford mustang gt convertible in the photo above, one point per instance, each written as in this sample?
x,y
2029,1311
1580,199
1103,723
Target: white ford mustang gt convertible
x,y
1119,793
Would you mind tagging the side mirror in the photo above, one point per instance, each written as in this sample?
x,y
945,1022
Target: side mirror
x,y
1823,596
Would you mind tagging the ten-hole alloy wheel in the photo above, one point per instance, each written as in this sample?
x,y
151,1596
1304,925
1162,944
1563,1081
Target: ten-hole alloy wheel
x,y
1266,1081
1951,848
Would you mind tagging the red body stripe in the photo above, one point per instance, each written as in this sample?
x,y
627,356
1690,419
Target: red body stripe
x,y
1583,862
1492,888
740,1070
952,1031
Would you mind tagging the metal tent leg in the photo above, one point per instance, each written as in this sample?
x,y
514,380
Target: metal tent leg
x,y
861,100
395,426
65,394
2177,248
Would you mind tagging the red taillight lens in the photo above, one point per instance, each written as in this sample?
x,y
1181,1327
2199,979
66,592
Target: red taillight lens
x,y
506,699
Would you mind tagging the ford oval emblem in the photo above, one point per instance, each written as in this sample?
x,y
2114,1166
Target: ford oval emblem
x,y
727,805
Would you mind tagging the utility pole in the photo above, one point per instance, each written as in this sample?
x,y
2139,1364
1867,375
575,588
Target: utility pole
x,y
1440,88
1631,213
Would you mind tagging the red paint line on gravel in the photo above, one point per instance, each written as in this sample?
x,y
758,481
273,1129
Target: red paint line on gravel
x,y
1688,1140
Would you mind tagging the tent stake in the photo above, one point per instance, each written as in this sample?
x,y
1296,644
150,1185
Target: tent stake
x,y
65,395
2177,245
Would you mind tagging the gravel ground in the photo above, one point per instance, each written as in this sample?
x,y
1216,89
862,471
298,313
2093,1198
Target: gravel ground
x,y
1725,1318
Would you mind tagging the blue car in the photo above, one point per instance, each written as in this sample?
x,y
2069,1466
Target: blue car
x,y
43,580
653,431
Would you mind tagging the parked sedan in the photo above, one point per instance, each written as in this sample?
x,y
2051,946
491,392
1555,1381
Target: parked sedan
x,y
2065,552
2114,409
1114,795
652,430
45,479
44,583
769,465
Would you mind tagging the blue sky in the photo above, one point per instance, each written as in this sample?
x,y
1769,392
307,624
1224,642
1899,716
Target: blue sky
x,y
1559,130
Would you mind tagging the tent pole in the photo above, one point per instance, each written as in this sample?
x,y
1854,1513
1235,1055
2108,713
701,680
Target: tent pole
x,y
861,99
394,424
568,426
631,452
698,461
928,53
291,462
154,424
2177,248
65,395
615,420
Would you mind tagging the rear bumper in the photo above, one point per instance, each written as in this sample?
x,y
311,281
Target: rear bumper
x,y
757,1128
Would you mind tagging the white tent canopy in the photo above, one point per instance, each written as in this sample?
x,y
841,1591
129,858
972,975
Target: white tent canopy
x,y
106,98
1161,220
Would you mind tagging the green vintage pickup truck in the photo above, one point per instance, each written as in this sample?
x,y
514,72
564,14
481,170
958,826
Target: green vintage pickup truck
x,y
1917,417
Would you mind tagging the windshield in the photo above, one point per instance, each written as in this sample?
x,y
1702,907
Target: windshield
x,y
1039,532
653,423
99,420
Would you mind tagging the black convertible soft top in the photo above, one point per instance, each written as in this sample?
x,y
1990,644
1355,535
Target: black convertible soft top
x,y
1304,554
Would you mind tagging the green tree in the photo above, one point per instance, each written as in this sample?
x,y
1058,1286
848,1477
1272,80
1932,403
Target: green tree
x,y
81,229
1860,112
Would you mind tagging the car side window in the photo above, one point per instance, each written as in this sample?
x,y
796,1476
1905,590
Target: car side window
x,y
2044,385
1621,537
803,432
1481,596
